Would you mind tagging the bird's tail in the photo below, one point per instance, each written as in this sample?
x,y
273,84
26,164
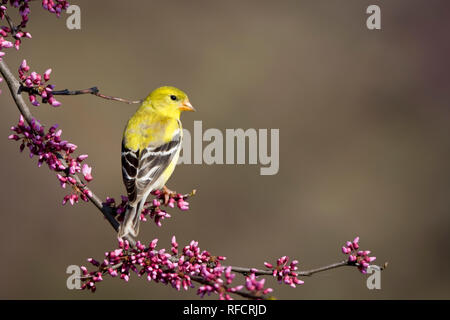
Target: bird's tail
x,y
130,223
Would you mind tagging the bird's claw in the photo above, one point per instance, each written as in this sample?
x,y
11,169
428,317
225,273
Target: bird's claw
x,y
167,193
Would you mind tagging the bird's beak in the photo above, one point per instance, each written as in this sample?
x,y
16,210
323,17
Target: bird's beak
x,y
186,106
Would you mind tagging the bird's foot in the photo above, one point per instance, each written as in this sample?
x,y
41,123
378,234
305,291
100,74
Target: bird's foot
x,y
167,193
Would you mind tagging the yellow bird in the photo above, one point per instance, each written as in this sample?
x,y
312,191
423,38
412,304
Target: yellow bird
x,y
151,146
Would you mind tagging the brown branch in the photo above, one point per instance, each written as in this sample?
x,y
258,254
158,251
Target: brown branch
x,y
308,273
14,87
94,91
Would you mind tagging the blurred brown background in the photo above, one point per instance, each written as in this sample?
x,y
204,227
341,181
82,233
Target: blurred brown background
x,y
364,140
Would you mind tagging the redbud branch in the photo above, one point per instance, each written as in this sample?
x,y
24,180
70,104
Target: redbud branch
x,y
15,88
306,273
95,92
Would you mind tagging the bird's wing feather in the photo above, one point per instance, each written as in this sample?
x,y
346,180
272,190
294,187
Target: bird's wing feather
x,y
142,169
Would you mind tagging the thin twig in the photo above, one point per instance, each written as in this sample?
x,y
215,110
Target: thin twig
x,y
13,28
309,273
94,91
306,273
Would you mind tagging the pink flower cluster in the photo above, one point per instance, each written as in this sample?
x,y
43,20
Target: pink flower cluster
x,y
3,42
253,284
35,84
177,199
154,208
24,10
16,31
55,6
4,33
174,268
285,272
51,149
18,36
357,257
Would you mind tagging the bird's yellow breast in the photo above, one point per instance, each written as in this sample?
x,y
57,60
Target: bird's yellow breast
x,y
147,128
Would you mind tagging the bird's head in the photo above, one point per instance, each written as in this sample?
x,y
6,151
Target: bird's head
x,y
169,101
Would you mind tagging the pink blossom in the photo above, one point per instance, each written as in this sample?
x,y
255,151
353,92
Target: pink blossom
x,y
50,149
359,258
47,74
285,272
87,172
35,85
153,209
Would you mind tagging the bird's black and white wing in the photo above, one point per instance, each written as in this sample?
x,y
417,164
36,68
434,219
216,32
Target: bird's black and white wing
x,y
142,170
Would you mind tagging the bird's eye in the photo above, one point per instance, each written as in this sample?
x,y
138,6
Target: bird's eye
x,y
173,97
